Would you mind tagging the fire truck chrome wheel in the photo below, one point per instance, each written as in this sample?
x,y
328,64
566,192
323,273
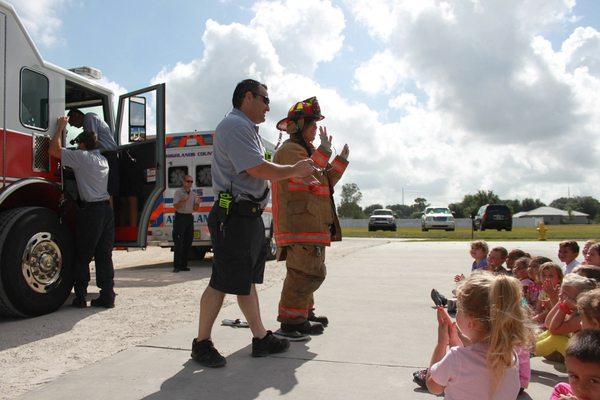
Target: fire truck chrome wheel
x,y
41,262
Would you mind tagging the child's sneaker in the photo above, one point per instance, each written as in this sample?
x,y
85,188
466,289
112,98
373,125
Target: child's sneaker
x,y
204,352
420,378
268,345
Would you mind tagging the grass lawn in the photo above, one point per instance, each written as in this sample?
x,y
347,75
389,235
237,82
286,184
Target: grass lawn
x,y
555,232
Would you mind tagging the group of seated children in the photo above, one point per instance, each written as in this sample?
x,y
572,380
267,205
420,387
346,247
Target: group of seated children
x,y
532,306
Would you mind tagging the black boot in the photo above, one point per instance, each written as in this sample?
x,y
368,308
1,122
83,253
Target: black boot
x,y
79,300
105,300
320,319
306,327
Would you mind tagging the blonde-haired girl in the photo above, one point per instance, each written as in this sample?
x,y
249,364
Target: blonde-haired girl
x,y
563,319
482,359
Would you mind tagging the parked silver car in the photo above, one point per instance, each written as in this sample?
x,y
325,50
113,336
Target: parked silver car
x,y
383,219
437,218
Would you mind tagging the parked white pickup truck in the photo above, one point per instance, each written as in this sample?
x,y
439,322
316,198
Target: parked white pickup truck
x,y
383,219
437,218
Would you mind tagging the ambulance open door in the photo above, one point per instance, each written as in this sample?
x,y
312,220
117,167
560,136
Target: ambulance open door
x,y
140,134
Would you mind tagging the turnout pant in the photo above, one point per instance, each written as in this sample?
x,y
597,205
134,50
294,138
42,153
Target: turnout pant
x,y
305,273
183,235
94,238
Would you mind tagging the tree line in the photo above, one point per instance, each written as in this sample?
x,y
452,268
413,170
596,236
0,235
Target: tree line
x,y
351,196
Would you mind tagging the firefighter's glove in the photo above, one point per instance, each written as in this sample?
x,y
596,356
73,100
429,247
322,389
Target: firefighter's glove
x,y
325,140
345,152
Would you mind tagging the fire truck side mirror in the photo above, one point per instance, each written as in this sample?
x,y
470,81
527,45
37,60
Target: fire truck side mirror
x,y
137,119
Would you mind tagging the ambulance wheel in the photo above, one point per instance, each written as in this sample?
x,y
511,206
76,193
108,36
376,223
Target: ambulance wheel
x,y
36,258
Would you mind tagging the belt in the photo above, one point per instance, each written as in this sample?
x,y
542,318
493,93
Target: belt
x,y
93,203
245,208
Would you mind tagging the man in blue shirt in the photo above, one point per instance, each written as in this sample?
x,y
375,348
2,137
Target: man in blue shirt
x,y
240,178
94,225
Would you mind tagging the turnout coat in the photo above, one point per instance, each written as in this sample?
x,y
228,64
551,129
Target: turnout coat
x,y
305,214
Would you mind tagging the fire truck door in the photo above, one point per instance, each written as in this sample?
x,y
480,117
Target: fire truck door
x,y
140,134
2,91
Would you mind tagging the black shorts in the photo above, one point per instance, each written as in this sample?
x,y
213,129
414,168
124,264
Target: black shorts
x,y
113,172
239,251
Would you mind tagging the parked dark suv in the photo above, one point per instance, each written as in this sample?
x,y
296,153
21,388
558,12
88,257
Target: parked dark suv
x,y
493,216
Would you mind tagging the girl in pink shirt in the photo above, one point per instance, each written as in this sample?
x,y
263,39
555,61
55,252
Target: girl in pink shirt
x,y
476,357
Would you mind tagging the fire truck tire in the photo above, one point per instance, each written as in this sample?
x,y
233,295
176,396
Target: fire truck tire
x,y
36,256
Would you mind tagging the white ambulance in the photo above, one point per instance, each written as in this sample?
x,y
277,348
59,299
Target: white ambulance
x,y
190,154
38,197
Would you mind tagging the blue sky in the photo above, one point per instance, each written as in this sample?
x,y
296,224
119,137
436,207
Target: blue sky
x,y
441,98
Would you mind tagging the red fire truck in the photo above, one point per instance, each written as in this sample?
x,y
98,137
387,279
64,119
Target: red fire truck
x,y
37,196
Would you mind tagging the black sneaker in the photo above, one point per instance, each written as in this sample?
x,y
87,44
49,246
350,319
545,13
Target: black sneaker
x,y
420,378
438,299
204,352
79,302
323,320
104,302
306,327
268,345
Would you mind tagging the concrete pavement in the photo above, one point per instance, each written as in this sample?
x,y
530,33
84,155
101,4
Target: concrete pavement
x,y
382,329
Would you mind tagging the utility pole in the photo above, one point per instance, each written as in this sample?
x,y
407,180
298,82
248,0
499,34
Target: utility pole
x,y
402,196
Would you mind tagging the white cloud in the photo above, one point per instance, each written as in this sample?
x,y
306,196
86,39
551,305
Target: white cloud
x,y
304,33
382,73
40,17
497,107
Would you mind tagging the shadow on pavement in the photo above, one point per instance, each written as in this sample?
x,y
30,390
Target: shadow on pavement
x,y
160,274
19,331
546,378
244,377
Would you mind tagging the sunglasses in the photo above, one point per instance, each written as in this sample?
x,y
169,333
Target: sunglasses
x,y
265,99
189,181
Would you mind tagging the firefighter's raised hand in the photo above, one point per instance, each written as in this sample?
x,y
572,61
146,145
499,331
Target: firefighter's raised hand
x,y
345,152
304,168
325,140
61,123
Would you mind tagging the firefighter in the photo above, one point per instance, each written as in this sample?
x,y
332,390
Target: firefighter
x,y
94,225
305,221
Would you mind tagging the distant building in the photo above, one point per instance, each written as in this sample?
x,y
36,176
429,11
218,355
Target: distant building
x,y
555,216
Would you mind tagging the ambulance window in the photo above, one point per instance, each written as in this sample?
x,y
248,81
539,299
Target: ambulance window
x,y
34,99
203,176
176,175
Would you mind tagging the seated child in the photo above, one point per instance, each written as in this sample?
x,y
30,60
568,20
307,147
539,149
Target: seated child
x,y
563,319
520,272
495,260
588,305
583,367
586,248
533,272
567,253
591,269
481,362
513,256
550,276
479,252
593,255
